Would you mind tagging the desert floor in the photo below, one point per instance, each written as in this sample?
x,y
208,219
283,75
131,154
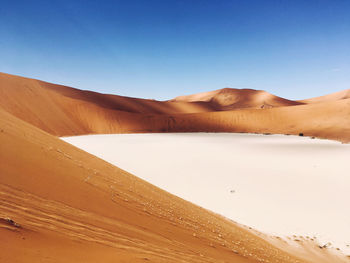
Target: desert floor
x,y
277,184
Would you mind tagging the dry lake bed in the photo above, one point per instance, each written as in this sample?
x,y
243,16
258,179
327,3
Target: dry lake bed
x,y
277,184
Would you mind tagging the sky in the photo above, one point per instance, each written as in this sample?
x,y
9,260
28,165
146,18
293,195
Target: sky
x,y
160,49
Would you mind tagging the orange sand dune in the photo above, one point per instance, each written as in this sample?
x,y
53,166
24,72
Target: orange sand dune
x,y
43,92
228,99
65,111
324,120
61,204
61,110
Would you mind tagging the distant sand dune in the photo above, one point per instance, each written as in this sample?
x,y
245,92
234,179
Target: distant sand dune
x,y
62,110
229,99
65,111
340,95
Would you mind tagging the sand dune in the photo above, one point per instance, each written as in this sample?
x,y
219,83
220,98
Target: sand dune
x,y
65,111
43,92
324,120
229,99
61,204
62,110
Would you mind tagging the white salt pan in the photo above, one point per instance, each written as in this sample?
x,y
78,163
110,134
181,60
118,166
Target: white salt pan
x,y
282,185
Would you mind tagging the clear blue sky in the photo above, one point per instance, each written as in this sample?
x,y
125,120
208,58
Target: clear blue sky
x,y
161,49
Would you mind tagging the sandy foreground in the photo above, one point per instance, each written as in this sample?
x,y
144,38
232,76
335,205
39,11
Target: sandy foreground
x,y
277,184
